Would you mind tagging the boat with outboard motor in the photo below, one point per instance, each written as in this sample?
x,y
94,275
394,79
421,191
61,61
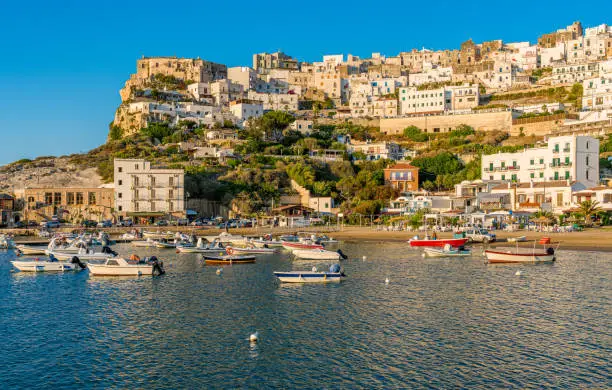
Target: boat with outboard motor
x,y
6,242
307,244
227,238
121,267
456,242
31,249
319,254
48,265
335,274
234,250
200,247
84,254
266,242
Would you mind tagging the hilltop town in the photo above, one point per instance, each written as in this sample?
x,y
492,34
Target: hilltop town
x,y
492,127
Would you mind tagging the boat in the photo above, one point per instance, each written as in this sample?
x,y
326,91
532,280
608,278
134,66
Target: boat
x,y
84,254
61,244
319,254
215,247
122,267
231,250
447,251
228,260
533,255
335,274
38,265
517,239
301,245
226,238
31,249
6,242
148,243
266,242
157,235
456,242
164,243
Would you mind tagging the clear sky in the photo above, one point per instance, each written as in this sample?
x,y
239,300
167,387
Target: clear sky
x,y
62,63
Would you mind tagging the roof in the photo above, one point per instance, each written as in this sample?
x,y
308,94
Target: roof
x,y
538,184
292,206
6,196
403,166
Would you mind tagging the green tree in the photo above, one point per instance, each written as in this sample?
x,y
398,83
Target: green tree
x,y
589,208
415,134
115,133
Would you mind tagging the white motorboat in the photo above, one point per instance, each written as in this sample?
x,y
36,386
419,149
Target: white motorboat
x,y
31,249
61,245
302,245
335,274
38,265
523,255
122,267
447,251
215,247
266,242
6,242
165,244
318,254
227,238
84,254
517,239
231,250
148,243
158,235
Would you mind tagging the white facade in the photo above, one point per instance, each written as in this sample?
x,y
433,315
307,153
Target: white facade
x,y
413,101
246,110
275,101
242,75
573,73
553,55
574,158
597,92
377,150
141,189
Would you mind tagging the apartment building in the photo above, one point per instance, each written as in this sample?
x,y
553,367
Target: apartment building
x,y
597,92
574,158
573,73
265,61
246,109
147,192
376,150
403,177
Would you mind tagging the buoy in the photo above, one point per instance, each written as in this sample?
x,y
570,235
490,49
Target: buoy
x,y
314,269
219,271
518,273
423,255
365,258
387,281
254,337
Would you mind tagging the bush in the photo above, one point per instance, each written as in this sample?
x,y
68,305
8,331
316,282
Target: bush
x,y
415,134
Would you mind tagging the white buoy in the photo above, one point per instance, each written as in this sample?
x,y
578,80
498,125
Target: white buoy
x,y
254,337
314,269
365,258
518,273
423,255
219,271
387,281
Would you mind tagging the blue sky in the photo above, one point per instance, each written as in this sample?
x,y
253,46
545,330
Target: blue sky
x,y
62,63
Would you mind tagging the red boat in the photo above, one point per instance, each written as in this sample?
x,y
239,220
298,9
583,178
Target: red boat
x,y
441,242
300,245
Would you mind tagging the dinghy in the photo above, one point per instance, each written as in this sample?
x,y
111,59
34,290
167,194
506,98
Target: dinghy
x,y
48,265
122,267
335,274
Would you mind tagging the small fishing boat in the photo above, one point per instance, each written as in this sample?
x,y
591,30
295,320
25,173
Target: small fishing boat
x,y
226,238
165,243
335,274
447,251
47,265
215,247
301,245
228,260
31,249
6,242
266,242
517,239
531,255
249,251
158,235
122,267
456,242
319,254
148,243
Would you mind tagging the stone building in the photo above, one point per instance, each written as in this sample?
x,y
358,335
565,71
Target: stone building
x,y
564,35
71,204
266,61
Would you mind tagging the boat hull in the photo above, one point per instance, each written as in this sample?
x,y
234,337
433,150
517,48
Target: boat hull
x,y
32,250
45,266
495,257
82,256
308,277
106,270
300,246
438,243
250,251
432,252
228,260
270,244
316,254
200,250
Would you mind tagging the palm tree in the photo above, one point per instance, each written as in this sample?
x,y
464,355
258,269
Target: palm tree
x,y
588,208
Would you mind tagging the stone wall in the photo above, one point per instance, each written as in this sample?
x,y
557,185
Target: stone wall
x,y
483,121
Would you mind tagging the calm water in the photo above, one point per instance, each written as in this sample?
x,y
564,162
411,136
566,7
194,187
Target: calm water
x,y
438,323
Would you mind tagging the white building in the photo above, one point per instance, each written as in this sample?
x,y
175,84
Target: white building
x,y
413,101
555,196
275,101
148,192
597,92
553,55
573,73
574,158
245,109
243,75
377,150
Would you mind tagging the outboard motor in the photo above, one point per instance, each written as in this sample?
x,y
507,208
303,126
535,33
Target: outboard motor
x,y
108,251
342,255
75,260
334,268
158,266
550,251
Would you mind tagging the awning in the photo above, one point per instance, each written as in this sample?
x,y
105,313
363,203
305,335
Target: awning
x,y
191,212
145,214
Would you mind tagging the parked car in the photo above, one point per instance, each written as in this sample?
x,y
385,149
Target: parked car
x,y
88,223
105,224
479,235
50,224
126,223
32,223
182,222
19,225
161,222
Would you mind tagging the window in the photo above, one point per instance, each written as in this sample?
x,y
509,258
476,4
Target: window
x,y
513,177
92,198
171,181
532,175
136,166
120,182
70,198
48,198
57,198
152,181
541,161
567,175
120,208
587,161
120,195
171,206
541,175
503,177
152,194
170,193
79,198
119,169
531,162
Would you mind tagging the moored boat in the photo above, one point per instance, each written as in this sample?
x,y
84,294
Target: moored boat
x,y
301,245
447,251
456,242
231,250
228,260
318,254
517,239
84,254
31,249
334,274
148,243
122,267
45,265
531,256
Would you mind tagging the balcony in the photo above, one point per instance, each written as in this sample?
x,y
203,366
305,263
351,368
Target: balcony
x,y
555,151
561,164
514,168
566,150
537,167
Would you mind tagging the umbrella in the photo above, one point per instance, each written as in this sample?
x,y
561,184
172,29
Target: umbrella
x,y
542,219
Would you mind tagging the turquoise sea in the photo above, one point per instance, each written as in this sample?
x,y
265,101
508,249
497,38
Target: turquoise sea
x,y
439,323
